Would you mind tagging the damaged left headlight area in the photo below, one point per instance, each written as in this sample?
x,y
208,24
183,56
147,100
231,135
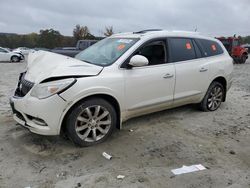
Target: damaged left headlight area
x,y
47,89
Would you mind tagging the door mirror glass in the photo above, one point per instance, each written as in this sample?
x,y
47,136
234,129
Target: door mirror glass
x,y
138,61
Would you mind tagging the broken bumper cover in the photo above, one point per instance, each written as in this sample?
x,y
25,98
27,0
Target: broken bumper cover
x,y
39,116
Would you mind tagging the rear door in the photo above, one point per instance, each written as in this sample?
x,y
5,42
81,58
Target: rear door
x,y
192,70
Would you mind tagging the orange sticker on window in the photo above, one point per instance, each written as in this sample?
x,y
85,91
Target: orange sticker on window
x,y
188,46
213,47
121,47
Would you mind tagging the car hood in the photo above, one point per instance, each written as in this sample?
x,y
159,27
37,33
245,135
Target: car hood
x,y
42,65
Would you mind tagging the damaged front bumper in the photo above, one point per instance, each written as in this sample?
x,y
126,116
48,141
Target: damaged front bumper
x,y
39,116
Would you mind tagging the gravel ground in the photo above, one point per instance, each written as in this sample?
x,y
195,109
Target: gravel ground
x,y
158,143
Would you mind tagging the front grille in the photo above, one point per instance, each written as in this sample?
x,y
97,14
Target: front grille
x,y
23,87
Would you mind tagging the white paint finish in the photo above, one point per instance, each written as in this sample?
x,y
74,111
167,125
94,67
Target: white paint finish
x,y
138,61
147,86
138,91
49,110
42,65
192,79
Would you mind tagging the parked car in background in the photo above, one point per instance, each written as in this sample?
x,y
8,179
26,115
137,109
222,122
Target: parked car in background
x,y
23,50
44,49
72,51
120,77
7,55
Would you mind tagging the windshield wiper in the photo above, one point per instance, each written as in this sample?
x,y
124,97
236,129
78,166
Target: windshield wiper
x,y
86,61
91,62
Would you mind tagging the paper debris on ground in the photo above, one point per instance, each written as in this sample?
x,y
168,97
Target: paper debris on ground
x,y
120,177
187,169
107,156
131,130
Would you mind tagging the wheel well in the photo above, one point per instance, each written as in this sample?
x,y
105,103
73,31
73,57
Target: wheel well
x,y
106,97
14,56
245,53
223,81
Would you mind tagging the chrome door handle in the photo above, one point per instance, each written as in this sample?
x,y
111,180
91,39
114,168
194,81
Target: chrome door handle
x,y
168,75
203,69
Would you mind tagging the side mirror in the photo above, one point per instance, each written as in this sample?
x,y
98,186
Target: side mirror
x,y
138,61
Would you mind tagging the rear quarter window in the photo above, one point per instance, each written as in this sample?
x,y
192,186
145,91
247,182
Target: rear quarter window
x,y
209,47
182,49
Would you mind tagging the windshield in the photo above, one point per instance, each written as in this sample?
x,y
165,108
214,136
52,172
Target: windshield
x,y
106,51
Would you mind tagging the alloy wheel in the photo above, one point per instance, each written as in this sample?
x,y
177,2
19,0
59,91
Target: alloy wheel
x,y
93,123
215,98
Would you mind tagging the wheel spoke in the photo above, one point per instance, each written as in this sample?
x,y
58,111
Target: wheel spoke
x,y
82,119
86,134
89,113
97,110
107,122
103,131
219,94
210,104
217,99
80,128
94,134
218,90
104,114
213,105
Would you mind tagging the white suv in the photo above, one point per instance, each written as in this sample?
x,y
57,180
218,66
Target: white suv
x,y
120,77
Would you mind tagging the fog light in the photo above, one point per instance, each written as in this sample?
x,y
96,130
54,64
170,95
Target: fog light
x,y
39,122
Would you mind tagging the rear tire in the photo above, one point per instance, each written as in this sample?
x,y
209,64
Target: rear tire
x,y
243,59
91,122
15,59
213,98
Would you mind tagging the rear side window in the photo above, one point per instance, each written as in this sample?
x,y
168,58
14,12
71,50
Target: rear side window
x,y
182,49
210,48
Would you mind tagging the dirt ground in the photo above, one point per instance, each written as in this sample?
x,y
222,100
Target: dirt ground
x,y
158,143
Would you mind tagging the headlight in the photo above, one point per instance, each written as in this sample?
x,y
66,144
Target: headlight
x,y
45,90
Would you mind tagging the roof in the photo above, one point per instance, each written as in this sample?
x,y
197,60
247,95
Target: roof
x,y
157,33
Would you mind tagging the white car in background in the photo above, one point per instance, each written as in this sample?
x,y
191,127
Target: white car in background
x,y
120,77
7,55
23,50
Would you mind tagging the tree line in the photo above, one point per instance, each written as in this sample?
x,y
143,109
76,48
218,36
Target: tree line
x,y
50,38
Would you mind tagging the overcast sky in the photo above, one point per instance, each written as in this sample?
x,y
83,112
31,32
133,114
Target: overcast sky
x,y
211,17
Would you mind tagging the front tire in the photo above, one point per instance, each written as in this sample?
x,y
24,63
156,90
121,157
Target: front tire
x,y
91,122
213,97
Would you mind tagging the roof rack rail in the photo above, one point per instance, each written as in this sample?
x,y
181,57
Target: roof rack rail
x,y
147,30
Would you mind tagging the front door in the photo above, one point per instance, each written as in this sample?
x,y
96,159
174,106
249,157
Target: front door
x,y
150,88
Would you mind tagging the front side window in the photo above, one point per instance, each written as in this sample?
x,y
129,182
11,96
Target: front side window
x,y
106,51
155,52
182,49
